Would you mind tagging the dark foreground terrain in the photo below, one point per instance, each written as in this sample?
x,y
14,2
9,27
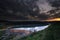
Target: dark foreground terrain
x,y
51,33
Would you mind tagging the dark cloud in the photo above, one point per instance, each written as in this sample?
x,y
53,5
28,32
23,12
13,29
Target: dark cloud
x,y
20,9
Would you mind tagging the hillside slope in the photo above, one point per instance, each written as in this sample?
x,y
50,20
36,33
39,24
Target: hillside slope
x,y
51,33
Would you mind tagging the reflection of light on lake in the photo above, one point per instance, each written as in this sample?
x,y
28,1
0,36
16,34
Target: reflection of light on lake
x,y
38,28
21,32
41,28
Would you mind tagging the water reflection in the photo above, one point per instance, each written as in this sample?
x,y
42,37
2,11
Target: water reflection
x,y
37,28
19,31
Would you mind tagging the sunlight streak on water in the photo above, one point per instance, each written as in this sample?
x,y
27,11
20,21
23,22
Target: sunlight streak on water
x,y
38,28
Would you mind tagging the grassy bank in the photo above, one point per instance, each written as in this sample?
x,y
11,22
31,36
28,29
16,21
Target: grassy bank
x,y
51,33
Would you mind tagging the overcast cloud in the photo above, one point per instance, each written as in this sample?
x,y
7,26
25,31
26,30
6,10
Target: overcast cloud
x,y
44,5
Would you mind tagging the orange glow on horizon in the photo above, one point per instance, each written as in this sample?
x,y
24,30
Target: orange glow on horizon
x,y
54,19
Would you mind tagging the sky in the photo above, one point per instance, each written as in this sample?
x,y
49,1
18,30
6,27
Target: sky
x,y
16,10
44,5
